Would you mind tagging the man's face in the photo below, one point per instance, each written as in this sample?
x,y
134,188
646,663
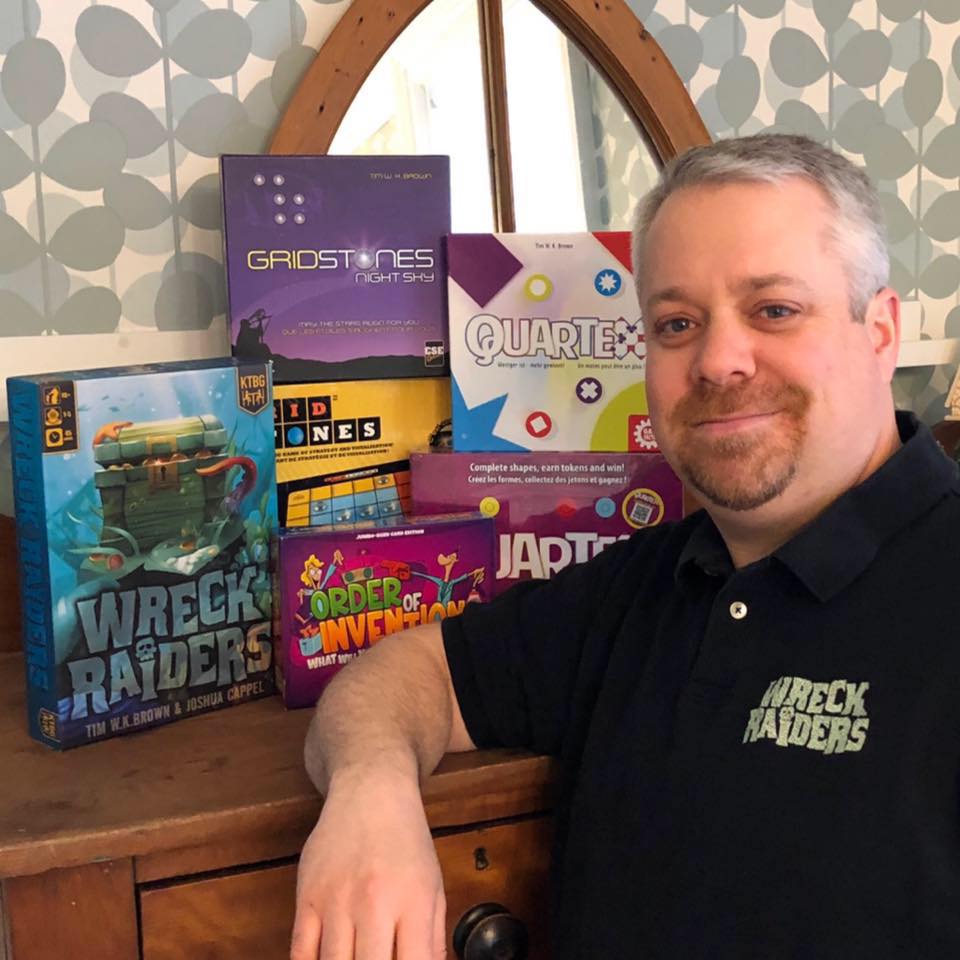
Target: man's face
x,y
762,388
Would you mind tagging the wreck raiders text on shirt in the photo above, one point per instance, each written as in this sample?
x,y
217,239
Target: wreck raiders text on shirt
x,y
827,717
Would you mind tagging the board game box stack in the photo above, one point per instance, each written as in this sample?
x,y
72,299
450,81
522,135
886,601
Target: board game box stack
x,y
145,506
550,509
336,271
335,264
551,430
342,590
547,349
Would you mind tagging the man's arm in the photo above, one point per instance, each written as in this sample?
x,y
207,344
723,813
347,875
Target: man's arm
x,y
369,875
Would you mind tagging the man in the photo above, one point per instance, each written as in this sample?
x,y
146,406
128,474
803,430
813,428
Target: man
x,y
755,709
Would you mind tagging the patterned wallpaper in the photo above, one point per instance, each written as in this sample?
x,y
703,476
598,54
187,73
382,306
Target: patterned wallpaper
x,y
112,114
878,80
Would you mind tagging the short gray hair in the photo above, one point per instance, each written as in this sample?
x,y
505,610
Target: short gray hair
x,y
859,233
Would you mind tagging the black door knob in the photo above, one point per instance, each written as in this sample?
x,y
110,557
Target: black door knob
x,y
490,931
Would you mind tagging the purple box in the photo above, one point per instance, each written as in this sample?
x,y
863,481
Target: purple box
x,y
335,265
341,592
551,509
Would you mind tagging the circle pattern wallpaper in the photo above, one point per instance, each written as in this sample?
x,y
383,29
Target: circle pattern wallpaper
x,y
113,114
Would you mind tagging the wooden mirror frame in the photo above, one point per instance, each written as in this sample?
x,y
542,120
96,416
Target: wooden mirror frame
x,y
607,31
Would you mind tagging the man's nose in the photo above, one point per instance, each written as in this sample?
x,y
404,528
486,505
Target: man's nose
x,y
725,351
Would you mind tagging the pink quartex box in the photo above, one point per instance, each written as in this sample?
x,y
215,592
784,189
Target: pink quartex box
x,y
550,509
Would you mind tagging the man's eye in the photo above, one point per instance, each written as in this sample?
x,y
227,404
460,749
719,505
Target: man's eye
x,y
673,327
777,311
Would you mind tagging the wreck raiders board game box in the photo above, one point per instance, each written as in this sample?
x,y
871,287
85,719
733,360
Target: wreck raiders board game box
x,y
546,346
550,509
341,592
335,265
145,507
343,449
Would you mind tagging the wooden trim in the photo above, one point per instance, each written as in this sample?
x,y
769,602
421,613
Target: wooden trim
x,y
497,113
354,47
636,68
606,30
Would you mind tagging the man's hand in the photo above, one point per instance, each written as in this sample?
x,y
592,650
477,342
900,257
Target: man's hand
x,y
369,879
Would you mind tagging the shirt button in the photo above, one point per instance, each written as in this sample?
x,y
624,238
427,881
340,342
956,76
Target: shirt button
x,y
738,609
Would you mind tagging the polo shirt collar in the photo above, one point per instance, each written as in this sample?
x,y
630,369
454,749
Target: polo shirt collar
x,y
833,550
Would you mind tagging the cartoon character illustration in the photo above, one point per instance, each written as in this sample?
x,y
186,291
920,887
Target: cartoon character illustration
x,y
314,577
445,586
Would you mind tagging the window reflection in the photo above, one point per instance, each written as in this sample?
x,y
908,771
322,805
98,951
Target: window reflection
x,y
579,161
426,96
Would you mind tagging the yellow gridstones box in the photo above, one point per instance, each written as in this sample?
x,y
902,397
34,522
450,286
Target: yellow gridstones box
x,y
343,448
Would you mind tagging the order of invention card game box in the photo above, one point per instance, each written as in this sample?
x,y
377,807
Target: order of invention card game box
x,y
343,591
335,265
550,509
546,346
343,449
145,508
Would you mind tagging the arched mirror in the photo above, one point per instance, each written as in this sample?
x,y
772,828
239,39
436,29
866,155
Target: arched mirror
x,y
556,115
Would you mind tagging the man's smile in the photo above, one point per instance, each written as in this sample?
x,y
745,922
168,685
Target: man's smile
x,y
735,422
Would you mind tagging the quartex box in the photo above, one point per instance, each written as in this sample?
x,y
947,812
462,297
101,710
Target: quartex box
x,y
343,449
335,267
546,347
145,508
343,591
550,509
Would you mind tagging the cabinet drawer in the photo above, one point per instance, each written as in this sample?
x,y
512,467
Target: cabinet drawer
x,y
250,914
247,914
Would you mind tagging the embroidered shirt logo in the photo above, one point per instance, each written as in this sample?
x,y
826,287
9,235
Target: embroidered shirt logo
x,y
826,717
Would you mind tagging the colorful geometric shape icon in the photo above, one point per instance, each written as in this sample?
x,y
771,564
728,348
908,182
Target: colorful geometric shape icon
x,y
539,424
605,507
607,283
538,287
589,390
489,506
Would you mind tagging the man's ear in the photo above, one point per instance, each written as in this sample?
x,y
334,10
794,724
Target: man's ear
x,y
882,323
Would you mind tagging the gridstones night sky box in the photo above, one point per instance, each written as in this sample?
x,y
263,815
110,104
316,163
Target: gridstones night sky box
x,y
335,266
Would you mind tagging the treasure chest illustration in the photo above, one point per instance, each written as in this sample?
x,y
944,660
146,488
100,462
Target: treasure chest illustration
x,y
164,480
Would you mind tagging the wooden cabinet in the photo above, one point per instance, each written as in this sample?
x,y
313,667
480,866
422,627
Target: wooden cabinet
x,y
249,913
181,842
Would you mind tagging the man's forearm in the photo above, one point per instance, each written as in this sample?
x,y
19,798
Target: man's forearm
x,y
390,710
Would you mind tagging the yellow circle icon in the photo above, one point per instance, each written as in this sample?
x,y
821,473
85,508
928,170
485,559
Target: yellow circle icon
x,y
642,507
538,287
489,506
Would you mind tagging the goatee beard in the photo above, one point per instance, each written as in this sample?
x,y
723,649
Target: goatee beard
x,y
741,471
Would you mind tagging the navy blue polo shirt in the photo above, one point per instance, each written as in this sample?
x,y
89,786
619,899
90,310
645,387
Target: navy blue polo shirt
x,y
761,762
